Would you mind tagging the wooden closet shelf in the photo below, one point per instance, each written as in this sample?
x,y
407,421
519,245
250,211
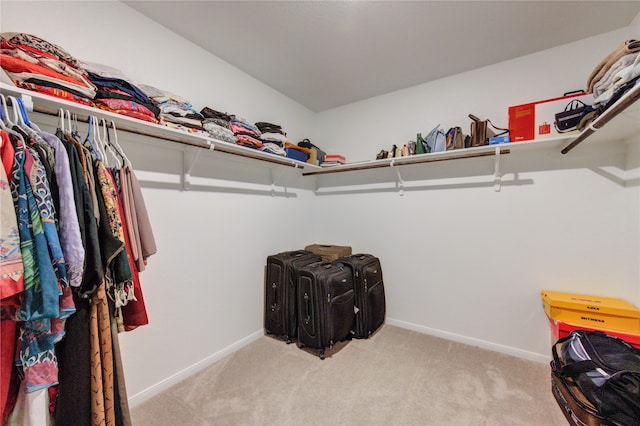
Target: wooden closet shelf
x,y
574,138
49,105
483,151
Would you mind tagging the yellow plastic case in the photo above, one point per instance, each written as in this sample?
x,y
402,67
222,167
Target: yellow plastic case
x,y
591,311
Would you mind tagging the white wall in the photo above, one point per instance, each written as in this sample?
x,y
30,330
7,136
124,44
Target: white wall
x,y
460,260
361,129
204,287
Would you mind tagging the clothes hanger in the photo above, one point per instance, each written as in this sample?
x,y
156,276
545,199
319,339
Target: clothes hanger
x,y
73,128
102,141
25,116
5,109
2,116
61,120
6,124
119,149
108,145
88,140
2,127
22,111
17,117
69,127
97,140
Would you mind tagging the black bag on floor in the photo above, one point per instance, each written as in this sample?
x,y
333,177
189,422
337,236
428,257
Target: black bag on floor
x,y
281,280
325,305
574,405
607,371
368,286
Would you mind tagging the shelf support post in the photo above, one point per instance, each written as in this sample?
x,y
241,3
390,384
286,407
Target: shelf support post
x,y
497,176
275,177
399,181
187,166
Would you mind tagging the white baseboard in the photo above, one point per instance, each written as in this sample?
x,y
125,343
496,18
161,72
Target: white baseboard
x,y
507,350
176,378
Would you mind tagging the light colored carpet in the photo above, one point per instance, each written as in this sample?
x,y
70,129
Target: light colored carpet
x,y
397,377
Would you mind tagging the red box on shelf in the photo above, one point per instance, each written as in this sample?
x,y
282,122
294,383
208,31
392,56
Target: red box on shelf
x,y
535,120
562,329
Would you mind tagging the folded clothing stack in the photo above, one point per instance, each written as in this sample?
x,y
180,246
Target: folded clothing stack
x,y
218,124
246,134
175,111
273,138
615,74
117,94
35,64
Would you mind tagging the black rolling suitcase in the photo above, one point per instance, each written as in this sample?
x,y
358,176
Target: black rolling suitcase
x,y
325,305
281,279
370,305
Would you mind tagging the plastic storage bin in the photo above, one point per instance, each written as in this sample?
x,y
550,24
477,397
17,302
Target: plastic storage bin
x,y
562,329
592,311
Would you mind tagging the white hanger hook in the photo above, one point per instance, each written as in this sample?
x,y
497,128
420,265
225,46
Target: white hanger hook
x,y
17,116
61,119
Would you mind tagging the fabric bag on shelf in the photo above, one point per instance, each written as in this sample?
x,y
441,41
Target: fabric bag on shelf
x,y
481,132
436,140
568,119
455,138
421,145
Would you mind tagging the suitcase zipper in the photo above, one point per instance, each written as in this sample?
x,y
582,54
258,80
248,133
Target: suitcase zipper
x,y
330,320
365,318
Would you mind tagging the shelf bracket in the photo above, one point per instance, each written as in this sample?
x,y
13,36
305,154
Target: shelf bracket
x,y
27,101
188,164
275,177
497,176
399,181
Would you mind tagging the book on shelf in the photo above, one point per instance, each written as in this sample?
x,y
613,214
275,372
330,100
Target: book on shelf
x,y
333,159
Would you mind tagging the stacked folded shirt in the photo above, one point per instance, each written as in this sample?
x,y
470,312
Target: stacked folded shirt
x,y
217,124
615,74
117,94
273,138
175,111
35,64
246,134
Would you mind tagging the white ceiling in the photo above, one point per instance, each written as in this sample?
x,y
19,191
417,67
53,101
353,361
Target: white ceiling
x,y
324,54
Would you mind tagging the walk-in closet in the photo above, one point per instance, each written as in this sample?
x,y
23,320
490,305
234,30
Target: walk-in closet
x,y
467,239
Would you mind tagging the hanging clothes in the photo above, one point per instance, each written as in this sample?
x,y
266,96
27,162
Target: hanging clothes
x,y
70,278
11,270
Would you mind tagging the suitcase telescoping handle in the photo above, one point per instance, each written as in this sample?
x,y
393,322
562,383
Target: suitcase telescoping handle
x,y
307,308
274,305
